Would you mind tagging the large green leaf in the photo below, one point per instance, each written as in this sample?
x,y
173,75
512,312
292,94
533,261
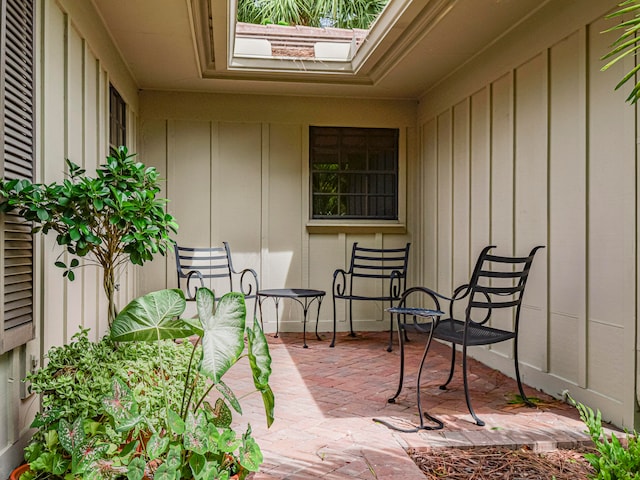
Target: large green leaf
x,y
260,361
259,357
86,461
135,470
72,436
157,445
223,340
195,325
221,415
195,438
269,404
165,472
152,317
175,422
250,454
201,467
227,393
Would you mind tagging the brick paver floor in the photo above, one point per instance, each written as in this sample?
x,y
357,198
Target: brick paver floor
x,y
327,398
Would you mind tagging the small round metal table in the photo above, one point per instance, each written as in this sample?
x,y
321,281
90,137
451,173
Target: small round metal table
x,y
426,328
305,297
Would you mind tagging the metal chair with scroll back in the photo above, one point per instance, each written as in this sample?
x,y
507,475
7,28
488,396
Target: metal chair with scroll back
x,y
388,265
214,265
497,283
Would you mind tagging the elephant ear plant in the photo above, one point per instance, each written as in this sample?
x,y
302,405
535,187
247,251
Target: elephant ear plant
x,y
163,411
110,220
197,440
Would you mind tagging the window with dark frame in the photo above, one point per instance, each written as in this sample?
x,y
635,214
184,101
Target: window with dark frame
x,y
117,119
17,134
354,173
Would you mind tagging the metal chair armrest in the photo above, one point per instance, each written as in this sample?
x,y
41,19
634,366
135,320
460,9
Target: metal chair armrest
x,y
191,274
396,285
248,281
339,285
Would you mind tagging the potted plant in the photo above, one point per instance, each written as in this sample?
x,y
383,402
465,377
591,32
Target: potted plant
x,y
156,418
109,220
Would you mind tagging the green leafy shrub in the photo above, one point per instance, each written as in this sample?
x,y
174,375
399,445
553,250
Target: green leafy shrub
x,y
613,461
77,378
110,220
137,405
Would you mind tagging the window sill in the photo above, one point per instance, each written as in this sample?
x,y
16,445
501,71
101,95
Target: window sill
x,y
354,226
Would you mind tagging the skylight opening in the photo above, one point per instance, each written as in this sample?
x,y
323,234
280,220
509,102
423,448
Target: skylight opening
x,y
303,30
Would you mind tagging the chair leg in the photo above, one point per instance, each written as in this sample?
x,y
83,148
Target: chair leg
x,y
318,318
333,340
401,380
421,412
453,365
352,333
439,424
390,346
466,388
527,402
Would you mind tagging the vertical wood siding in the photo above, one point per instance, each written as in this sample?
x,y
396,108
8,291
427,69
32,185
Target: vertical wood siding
x,y
74,125
72,110
544,154
237,171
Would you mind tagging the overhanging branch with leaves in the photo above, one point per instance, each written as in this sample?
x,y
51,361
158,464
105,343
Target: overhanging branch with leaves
x,y
110,220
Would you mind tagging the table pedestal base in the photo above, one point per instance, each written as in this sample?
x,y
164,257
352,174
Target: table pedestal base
x,y
304,297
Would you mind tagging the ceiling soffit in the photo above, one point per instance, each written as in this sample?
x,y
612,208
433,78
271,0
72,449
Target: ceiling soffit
x,y
401,24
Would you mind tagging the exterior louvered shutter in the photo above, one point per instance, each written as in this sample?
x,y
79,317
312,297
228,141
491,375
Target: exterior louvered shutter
x,y
18,148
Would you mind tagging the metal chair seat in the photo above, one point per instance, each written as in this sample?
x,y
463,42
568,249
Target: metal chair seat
x,y
451,330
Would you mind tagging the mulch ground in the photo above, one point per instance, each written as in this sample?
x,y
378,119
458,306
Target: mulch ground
x,y
498,463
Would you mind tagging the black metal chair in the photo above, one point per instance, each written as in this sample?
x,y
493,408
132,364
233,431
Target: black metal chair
x,y
387,264
211,263
497,282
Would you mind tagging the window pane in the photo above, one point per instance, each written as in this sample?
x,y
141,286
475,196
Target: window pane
x,y
354,160
326,205
357,139
363,181
356,205
382,160
326,160
117,119
325,182
382,184
354,183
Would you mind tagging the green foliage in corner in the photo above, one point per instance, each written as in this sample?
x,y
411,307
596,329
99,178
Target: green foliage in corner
x,y
76,379
627,43
141,405
613,461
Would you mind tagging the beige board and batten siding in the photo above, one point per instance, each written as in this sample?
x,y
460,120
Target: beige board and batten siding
x,y
530,146
237,171
75,62
79,64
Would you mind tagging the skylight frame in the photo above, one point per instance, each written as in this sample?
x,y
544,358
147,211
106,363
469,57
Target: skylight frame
x,y
389,41
303,65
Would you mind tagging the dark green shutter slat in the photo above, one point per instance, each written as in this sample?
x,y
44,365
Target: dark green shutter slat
x,y
18,148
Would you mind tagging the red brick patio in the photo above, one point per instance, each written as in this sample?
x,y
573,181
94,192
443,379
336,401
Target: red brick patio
x,y
326,399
